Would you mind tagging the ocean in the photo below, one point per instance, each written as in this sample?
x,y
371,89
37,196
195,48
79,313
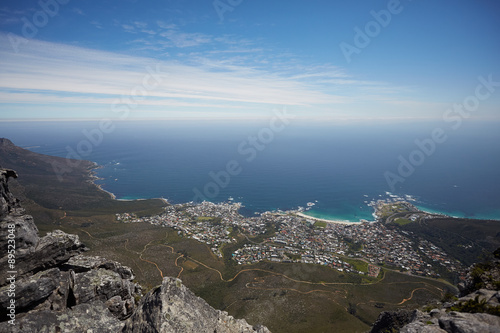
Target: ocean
x,y
336,167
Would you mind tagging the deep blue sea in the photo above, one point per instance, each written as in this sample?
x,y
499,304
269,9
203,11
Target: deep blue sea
x,y
339,166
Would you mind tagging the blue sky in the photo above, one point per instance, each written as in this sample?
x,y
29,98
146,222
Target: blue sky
x,y
240,59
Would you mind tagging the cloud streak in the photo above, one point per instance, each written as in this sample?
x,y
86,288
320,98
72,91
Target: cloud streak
x,y
44,72
239,79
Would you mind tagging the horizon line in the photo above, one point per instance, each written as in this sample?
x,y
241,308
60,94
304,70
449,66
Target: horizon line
x,y
299,118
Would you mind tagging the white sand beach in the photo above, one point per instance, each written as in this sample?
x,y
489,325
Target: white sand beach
x,y
324,220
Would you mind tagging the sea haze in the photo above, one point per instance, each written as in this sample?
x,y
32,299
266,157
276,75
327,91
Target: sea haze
x,y
339,166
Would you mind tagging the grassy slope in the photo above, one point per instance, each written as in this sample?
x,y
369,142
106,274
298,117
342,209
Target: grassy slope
x,y
466,240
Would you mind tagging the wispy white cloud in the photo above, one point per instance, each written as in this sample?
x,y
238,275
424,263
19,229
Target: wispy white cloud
x,y
235,79
149,32
44,72
128,28
78,11
12,16
167,26
140,24
177,38
96,24
37,98
164,36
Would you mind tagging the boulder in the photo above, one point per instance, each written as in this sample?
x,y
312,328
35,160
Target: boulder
x,y
458,322
389,321
174,308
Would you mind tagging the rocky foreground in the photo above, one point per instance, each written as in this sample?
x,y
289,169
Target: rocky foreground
x,y
476,311
47,285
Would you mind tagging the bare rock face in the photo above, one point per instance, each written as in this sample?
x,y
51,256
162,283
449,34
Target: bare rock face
x,y
389,321
452,322
88,317
32,253
32,290
7,201
174,308
52,279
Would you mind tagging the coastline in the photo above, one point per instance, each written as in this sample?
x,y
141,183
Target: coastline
x,y
325,220
93,177
107,192
454,215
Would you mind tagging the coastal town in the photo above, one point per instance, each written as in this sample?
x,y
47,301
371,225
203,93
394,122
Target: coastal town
x,y
292,236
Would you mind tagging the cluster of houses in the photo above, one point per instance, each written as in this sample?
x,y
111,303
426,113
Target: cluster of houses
x,y
298,239
398,249
250,254
205,222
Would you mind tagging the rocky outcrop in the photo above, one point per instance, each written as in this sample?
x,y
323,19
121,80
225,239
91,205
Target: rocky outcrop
x,y
174,308
52,281
436,321
7,201
476,311
32,253
392,321
482,276
439,320
54,288
88,317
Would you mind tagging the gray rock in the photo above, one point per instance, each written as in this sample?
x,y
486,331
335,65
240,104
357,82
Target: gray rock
x,y
389,321
490,296
174,308
89,317
103,284
435,313
32,291
459,322
438,320
62,297
8,203
32,253
56,248
121,309
423,322
82,263
25,230
419,327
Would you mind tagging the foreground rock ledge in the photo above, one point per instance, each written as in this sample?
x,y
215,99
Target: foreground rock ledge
x,y
174,308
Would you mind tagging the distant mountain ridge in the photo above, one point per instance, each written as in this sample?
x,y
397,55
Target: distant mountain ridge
x,y
41,181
